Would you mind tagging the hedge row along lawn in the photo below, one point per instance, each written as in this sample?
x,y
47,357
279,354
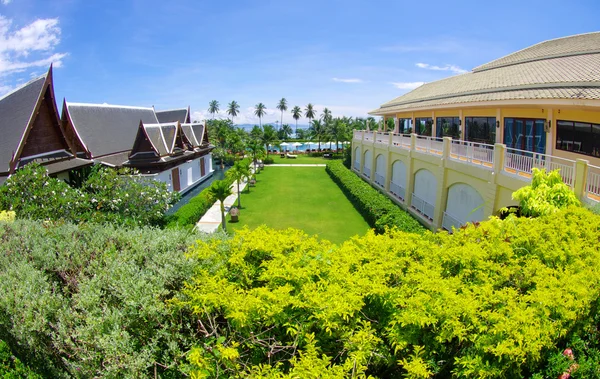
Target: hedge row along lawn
x,y
379,211
300,197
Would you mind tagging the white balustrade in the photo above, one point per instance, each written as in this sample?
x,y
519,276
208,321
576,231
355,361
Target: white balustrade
x,y
472,152
367,172
383,138
449,221
430,145
423,207
379,179
593,182
368,136
398,191
522,163
358,134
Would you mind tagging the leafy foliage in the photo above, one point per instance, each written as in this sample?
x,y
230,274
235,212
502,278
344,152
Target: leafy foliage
x,y
379,211
11,367
546,194
106,196
89,300
7,216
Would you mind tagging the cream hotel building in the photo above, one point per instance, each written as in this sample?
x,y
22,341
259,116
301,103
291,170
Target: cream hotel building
x,y
462,145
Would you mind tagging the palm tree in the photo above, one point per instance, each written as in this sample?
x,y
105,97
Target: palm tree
x,y
239,172
317,130
286,131
310,113
326,116
213,108
256,148
259,110
233,109
282,106
269,136
296,114
220,190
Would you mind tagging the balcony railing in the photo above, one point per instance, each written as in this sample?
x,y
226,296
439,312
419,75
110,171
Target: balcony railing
x,y
430,145
450,221
398,191
402,140
471,152
368,136
367,172
423,207
593,183
383,138
522,163
357,134
379,179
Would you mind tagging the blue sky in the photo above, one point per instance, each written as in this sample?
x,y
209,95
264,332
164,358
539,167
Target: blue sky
x,y
350,55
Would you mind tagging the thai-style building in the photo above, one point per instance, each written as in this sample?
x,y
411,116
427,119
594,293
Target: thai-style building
x,y
173,115
463,144
32,132
119,136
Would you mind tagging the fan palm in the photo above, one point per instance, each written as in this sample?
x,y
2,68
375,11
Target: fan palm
x,y
239,172
259,110
233,109
309,112
282,106
220,190
296,114
213,108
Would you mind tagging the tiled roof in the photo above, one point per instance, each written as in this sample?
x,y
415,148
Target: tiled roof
x,y
16,109
172,115
162,137
194,133
589,93
108,129
572,45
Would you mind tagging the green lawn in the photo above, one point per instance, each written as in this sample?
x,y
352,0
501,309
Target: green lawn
x,y
300,197
302,159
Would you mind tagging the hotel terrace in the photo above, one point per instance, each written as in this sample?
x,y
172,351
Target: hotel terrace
x,y
462,145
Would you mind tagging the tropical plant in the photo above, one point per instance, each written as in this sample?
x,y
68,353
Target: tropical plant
x,y
233,109
317,131
259,111
282,106
238,173
326,116
296,114
310,113
220,190
285,132
269,137
213,108
255,147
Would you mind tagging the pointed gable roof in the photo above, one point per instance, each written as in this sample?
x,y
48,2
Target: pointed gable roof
x,y
173,115
160,139
30,112
196,134
107,129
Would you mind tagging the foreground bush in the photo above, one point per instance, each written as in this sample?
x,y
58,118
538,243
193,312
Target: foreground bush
x,y
492,301
107,195
378,210
90,300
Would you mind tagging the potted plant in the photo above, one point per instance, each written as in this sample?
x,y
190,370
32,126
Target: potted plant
x,y
234,212
253,181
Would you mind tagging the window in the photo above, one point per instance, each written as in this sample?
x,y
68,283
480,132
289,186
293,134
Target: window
x,y
405,125
447,127
423,126
578,137
481,129
525,134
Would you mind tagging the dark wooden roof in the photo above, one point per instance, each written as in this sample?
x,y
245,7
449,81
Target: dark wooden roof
x,y
174,115
106,129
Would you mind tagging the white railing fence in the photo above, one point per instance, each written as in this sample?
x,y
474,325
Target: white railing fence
x,y
450,221
383,138
471,152
430,145
368,136
593,181
357,134
523,162
423,207
398,191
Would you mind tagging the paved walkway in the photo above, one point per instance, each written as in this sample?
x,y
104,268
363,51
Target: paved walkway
x,y
210,222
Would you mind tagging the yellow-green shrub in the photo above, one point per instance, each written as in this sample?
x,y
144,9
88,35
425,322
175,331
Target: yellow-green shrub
x,y
7,216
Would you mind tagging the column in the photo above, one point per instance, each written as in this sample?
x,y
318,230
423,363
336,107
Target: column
x,y
581,174
396,125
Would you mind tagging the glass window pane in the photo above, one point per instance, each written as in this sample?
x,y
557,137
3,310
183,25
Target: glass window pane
x,y
509,139
564,135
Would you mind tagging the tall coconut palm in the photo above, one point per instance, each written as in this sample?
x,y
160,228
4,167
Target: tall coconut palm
x,y
269,136
239,172
220,190
233,109
310,112
259,110
317,130
282,106
213,108
326,116
286,132
296,114
255,148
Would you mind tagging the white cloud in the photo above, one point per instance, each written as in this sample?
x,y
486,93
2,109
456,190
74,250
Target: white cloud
x,y
408,85
449,67
28,47
352,80
6,2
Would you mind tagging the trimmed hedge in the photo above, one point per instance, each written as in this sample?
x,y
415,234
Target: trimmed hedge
x,y
379,211
189,214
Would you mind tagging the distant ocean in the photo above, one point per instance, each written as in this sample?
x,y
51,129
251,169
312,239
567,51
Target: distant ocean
x,y
250,126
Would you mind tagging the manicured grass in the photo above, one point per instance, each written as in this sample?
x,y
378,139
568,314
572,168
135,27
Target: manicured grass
x,y
300,197
302,159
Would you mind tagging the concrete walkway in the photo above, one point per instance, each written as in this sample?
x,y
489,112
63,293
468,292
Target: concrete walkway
x,y
211,221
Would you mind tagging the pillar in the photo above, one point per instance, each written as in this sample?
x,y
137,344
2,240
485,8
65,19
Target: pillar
x,y
581,174
396,125
499,154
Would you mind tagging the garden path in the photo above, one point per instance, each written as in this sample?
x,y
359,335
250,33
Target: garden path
x,y
210,222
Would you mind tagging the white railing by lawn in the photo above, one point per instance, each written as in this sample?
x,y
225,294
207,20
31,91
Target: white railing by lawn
x,y
430,145
382,138
593,183
358,134
422,207
522,163
357,166
367,172
401,140
379,179
398,191
450,221
368,136
471,152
